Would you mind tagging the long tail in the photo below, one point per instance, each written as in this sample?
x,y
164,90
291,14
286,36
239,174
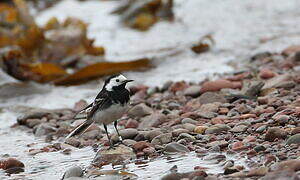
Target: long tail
x,y
80,129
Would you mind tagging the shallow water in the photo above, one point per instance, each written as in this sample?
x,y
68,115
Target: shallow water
x,y
237,30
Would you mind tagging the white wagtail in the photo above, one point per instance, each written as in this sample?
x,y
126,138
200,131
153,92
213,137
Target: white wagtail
x,y
109,105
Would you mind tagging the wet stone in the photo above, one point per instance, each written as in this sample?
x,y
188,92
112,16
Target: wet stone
x,y
177,132
74,171
44,129
116,156
190,127
175,147
239,128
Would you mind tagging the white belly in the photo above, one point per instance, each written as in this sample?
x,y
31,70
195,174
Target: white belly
x,y
110,115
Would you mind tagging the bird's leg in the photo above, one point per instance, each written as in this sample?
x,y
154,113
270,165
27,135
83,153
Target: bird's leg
x,y
110,144
116,127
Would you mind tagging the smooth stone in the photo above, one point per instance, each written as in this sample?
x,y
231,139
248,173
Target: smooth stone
x,y
295,139
115,156
239,128
175,147
187,136
152,120
261,129
162,139
193,91
74,171
274,133
152,134
211,97
200,129
44,129
140,110
177,132
189,120
189,126
216,129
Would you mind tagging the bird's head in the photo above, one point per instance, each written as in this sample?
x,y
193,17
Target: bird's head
x,y
115,82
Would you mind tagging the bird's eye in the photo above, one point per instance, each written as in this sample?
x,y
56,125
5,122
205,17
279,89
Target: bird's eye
x,y
117,80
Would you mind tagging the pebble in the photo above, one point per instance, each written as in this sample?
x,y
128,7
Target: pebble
x,y
266,73
200,129
193,91
73,141
140,110
152,134
139,146
11,163
187,137
261,129
74,171
131,123
162,139
259,148
281,119
216,129
44,129
189,120
177,132
239,128
175,147
218,85
295,139
275,133
116,156
189,127
152,120
129,133
211,97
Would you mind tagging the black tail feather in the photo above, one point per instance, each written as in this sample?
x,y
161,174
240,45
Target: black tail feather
x,y
80,129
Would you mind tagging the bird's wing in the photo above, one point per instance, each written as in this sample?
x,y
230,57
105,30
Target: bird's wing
x,y
101,102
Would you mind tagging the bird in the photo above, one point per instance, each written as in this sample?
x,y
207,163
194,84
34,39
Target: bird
x,y
109,105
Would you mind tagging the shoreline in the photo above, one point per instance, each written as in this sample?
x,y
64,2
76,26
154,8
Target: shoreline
x,y
234,115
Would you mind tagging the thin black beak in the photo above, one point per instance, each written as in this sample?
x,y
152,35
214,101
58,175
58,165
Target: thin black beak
x,y
127,81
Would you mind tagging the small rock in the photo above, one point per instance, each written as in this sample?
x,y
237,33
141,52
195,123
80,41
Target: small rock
x,y
275,81
187,136
293,165
295,139
117,156
239,128
274,133
208,110
94,134
175,147
131,124
238,146
188,120
193,91
44,129
211,97
189,127
218,85
129,142
10,163
140,110
162,139
32,122
177,132
261,129
80,105
152,120
73,142
74,171
152,134
216,129
129,133
266,73
200,129
139,146
296,130
259,148
221,144
281,119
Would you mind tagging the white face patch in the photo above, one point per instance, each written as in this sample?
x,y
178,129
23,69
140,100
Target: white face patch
x,y
116,81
